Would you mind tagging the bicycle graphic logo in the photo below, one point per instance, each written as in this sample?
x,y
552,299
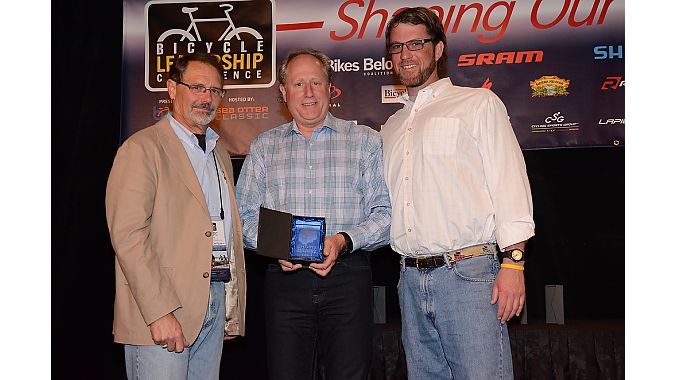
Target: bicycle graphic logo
x,y
239,34
230,31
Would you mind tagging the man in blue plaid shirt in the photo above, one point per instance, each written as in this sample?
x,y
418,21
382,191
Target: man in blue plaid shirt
x,y
318,166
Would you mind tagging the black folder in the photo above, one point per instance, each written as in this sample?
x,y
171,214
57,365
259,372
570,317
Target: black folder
x,y
282,235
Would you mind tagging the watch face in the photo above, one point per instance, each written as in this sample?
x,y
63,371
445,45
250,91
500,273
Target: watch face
x,y
516,255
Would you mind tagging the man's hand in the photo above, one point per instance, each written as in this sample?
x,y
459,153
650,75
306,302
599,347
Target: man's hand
x,y
168,331
509,290
333,245
287,266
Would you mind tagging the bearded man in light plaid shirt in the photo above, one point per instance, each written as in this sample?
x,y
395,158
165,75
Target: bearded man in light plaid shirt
x,y
321,166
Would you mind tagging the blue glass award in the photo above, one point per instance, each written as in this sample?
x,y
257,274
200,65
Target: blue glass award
x,y
307,239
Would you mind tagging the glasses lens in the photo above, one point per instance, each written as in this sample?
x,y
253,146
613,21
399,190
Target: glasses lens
x,y
395,48
217,92
414,44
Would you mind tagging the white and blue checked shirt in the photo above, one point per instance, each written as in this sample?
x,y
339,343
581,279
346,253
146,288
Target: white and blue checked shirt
x,y
337,174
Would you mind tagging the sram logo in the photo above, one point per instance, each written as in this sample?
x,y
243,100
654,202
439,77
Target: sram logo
x,y
505,57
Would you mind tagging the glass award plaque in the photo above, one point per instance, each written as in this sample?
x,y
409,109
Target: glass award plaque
x,y
307,239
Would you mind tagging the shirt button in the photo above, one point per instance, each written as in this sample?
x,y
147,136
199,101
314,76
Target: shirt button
x,y
310,166
207,234
405,178
310,191
407,152
409,230
205,274
408,203
409,129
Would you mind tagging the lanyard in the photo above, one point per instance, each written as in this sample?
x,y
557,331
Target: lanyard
x,y
201,139
218,179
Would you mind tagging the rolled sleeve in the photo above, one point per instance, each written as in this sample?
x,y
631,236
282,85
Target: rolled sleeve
x,y
374,231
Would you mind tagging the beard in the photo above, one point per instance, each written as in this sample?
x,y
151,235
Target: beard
x,y
202,118
416,80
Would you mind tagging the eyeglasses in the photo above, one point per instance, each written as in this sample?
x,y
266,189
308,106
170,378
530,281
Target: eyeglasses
x,y
411,45
199,89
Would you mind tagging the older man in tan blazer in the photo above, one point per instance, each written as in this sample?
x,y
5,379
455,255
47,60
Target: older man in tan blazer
x,y
177,235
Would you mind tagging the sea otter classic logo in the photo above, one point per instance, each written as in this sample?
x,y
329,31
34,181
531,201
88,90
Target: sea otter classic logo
x,y
239,33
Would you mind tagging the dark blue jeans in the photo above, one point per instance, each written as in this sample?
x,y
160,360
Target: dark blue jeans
x,y
308,317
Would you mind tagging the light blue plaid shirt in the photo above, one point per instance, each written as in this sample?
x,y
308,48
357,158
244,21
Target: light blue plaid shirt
x,y
337,174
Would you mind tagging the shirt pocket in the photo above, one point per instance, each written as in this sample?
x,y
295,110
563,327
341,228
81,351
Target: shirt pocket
x,y
440,136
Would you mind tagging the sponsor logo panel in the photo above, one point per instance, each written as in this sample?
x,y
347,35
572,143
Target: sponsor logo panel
x,y
555,123
239,33
391,93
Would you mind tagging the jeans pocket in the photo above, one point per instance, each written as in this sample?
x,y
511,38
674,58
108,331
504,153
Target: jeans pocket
x,y
477,269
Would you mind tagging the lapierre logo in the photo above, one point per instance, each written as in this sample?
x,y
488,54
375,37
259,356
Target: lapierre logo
x,y
239,33
553,123
391,93
505,57
608,52
614,121
612,83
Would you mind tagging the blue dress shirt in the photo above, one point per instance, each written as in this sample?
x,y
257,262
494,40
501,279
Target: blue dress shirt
x,y
205,170
336,174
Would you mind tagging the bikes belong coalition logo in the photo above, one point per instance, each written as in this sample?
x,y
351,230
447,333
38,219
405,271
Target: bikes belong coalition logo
x,y
240,33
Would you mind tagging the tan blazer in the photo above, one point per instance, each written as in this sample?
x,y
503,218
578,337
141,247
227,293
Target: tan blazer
x,y
161,231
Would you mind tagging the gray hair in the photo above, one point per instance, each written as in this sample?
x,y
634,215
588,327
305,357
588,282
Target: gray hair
x,y
321,57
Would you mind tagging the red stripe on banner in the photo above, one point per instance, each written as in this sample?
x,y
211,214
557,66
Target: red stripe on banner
x,y
300,26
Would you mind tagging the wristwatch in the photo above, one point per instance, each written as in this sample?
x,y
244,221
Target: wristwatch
x,y
515,255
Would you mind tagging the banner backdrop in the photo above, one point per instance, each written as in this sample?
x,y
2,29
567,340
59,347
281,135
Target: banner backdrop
x,y
558,65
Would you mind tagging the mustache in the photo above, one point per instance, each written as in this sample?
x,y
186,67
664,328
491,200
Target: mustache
x,y
204,106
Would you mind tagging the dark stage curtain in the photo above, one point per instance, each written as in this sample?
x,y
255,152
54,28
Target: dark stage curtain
x,y
578,197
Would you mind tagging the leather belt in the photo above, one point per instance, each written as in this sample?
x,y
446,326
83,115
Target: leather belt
x,y
427,262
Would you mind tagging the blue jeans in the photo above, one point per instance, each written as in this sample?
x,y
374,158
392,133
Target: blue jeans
x,y
450,329
311,319
202,360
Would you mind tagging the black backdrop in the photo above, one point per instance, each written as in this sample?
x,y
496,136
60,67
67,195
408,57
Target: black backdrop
x,y
578,196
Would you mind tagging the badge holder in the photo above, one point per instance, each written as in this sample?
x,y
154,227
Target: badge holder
x,y
220,264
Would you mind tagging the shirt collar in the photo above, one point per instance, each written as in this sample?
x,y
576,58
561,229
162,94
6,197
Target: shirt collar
x,y
329,123
432,89
185,135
